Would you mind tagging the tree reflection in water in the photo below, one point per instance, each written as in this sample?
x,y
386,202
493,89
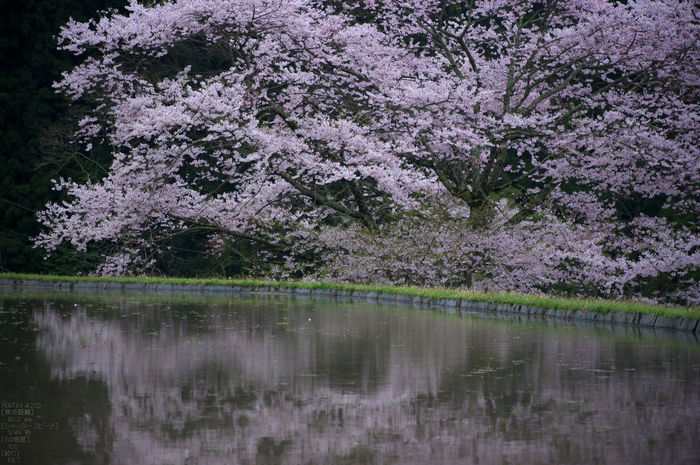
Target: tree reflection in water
x,y
205,380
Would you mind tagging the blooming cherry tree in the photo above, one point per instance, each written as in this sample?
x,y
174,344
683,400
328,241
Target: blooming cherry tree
x,y
543,146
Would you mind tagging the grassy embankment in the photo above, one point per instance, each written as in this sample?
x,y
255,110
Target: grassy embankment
x,y
431,293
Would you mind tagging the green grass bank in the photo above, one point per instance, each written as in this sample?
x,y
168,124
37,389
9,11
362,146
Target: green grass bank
x,y
429,294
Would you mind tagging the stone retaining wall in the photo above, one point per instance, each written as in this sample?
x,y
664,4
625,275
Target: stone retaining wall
x,y
445,305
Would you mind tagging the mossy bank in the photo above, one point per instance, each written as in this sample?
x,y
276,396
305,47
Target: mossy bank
x,y
616,312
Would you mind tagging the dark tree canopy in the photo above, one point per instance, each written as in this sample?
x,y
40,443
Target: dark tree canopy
x,y
34,122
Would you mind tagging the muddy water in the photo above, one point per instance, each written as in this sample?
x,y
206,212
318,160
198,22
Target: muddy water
x,y
116,379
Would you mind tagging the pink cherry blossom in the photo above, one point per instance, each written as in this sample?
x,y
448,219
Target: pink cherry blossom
x,y
538,146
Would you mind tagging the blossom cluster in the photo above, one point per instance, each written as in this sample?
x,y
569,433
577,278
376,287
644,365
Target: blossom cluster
x,y
541,146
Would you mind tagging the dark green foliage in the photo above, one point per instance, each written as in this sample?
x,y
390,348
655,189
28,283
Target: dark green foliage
x,y
30,110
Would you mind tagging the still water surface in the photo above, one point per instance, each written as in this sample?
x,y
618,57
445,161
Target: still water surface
x,y
118,379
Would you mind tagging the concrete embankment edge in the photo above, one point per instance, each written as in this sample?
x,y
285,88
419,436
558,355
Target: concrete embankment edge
x,y
445,305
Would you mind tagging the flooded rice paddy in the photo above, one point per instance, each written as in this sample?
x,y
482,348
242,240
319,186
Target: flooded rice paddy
x,y
197,379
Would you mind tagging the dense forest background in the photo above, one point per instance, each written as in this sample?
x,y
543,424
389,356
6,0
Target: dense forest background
x,y
32,116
